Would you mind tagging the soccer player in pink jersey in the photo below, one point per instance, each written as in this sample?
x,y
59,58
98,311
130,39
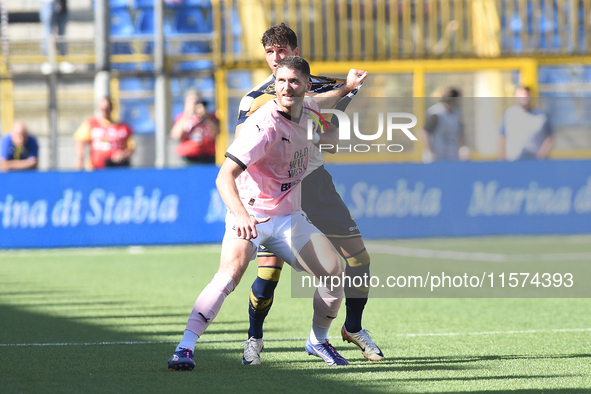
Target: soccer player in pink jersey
x,y
260,184
320,201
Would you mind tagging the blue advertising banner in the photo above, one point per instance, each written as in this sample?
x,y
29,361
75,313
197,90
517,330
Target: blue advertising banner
x,y
462,199
179,206
114,207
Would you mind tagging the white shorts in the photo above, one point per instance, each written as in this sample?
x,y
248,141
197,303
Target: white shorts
x,y
284,235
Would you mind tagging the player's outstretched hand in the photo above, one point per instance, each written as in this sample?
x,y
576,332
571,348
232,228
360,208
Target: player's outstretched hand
x,y
355,78
246,226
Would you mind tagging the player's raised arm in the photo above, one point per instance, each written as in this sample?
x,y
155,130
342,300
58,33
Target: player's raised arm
x,y
328,99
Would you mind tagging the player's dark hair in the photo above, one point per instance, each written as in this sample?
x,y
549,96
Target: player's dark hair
x,y
278,35
296,63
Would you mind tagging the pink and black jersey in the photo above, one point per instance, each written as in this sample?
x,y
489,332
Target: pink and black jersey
x,y
273,151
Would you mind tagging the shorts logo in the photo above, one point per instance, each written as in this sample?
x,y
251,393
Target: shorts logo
x,y
251,202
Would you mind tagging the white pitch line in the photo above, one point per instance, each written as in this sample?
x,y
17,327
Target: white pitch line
x,y
408,335
180,249
436,254
472,256
452,334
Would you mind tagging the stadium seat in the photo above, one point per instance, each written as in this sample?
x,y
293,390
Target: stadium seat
x,y
239,80
169,3
137,114
136,84
197,3
193,48
144,23
121,24
143,4
205,84
192,20
118,4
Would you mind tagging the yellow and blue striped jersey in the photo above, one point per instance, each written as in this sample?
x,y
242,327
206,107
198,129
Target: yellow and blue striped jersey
x,y
265,92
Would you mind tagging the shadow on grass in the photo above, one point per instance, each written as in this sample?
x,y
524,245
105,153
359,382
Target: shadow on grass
x,y
77,359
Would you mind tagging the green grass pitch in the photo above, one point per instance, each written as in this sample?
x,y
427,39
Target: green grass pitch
x,y
107,320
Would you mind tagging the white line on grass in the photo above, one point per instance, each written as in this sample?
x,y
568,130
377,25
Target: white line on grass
x,y
427,334
176,249
436,254
473,256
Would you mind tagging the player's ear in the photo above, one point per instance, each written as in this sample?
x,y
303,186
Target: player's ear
x,y
296,51
309,85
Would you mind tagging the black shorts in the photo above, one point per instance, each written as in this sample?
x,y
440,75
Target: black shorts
x,y
325,207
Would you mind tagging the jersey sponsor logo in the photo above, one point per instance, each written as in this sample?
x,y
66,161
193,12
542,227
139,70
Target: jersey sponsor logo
x,y
286,186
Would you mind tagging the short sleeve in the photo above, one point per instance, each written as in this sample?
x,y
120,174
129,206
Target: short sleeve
x,y
252,144
548,127
502,128
33,147
83,132
4,143
431,123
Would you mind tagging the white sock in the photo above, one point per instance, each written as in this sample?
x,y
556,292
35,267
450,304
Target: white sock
x,y
318,335
188,341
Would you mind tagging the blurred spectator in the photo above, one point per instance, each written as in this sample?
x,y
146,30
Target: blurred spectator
x,y
525,132
18,149
54,16
196,130
110,143
443,133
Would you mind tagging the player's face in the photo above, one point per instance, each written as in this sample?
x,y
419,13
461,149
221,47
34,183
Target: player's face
x,y
290,84
274,54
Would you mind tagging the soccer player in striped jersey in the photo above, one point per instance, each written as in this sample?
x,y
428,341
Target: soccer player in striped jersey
x,y
320,201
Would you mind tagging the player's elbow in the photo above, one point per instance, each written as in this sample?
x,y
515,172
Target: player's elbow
x,y
223,179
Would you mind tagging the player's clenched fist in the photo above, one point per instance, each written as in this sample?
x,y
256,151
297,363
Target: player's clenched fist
x,y
355,78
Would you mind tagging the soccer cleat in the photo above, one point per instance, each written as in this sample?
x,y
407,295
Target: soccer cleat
x,y
252,351
181,360
326,352
363,340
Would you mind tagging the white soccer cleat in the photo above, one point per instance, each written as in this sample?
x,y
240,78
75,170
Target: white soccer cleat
x,y
252,351
363,340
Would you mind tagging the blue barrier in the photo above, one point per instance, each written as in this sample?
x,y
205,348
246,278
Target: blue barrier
x,y
463,199
111,207
148,207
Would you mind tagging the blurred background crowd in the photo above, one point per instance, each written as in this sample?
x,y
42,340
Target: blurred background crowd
x,y
160,82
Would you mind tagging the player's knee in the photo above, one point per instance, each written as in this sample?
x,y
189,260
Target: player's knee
x,y
264,285
359,259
